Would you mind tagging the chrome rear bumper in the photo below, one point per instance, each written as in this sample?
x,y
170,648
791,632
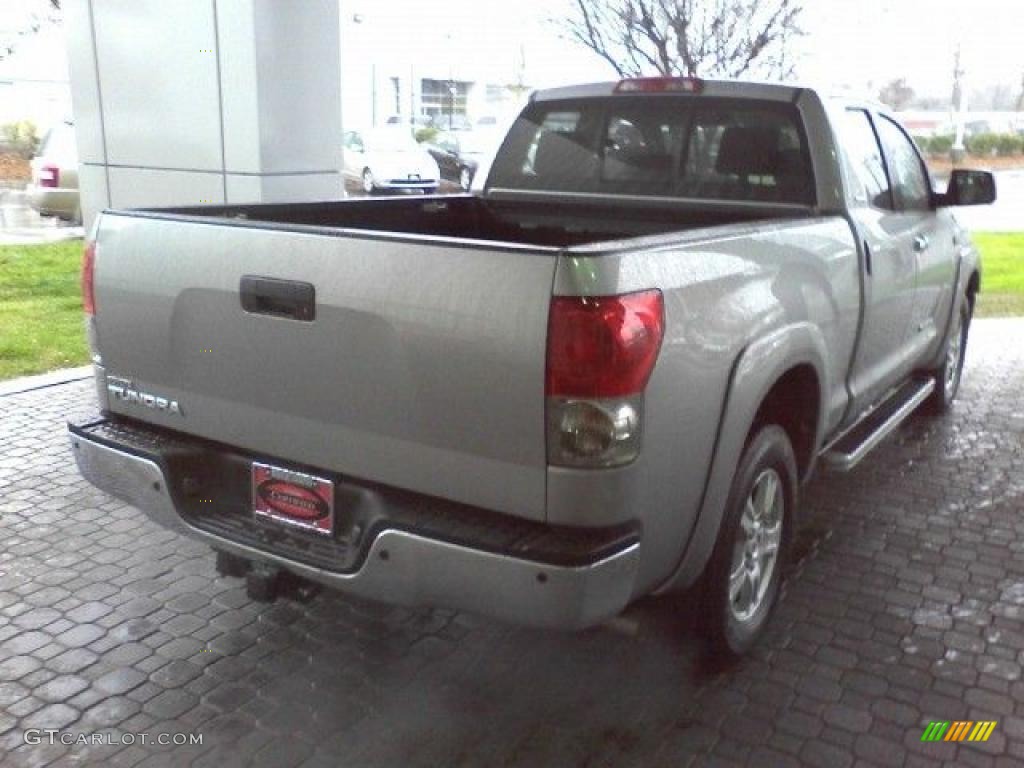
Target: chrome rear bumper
x,y
401,567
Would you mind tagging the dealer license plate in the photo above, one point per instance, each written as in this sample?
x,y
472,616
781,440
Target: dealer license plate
x,y
293,498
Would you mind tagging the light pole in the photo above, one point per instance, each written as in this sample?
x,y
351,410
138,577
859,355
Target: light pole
x,y
451,81
959,107
412,99
358,18
452,89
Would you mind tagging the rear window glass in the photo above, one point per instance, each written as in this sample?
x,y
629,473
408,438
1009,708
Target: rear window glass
x,y
705,148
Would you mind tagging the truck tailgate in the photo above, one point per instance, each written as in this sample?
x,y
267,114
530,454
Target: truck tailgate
x,y
423,367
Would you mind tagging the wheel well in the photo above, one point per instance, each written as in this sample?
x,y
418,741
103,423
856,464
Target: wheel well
x,y
973,286
793,403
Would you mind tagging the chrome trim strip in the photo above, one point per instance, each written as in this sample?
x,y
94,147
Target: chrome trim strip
x,y
403,568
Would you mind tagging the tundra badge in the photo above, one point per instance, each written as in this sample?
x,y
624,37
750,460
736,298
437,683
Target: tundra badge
x,y
125,391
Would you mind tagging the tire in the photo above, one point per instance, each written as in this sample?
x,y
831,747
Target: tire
x,y
744,575
949,374
465,178
369,186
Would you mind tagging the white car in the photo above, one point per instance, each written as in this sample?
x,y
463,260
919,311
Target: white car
x,y
388,159
54,187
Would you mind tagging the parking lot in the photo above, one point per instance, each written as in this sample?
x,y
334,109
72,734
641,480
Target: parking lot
x,y
20,225
904,606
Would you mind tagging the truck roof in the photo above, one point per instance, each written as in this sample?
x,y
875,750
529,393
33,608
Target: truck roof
x,y
720,88
744,89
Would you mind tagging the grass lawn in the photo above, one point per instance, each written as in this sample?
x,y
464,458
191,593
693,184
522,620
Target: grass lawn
x,y
1002,273
41,326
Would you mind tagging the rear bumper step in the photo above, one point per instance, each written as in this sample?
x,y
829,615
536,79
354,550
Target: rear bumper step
x,y
850,448
395,546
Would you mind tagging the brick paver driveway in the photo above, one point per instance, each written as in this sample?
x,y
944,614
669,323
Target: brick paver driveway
x,y
905,607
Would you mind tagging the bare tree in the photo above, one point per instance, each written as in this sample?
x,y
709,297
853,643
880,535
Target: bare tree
x,y
35,16
897,94
708,38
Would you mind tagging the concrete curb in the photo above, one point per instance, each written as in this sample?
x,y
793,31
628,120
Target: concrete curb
x,y
52,379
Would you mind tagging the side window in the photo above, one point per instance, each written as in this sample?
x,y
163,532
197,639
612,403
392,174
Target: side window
x,y
864,155
909,180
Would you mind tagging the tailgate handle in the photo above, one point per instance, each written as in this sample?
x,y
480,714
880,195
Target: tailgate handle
x,y
279,298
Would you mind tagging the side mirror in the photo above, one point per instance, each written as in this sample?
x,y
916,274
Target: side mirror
x,y
969,188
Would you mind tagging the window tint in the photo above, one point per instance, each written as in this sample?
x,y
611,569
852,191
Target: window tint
x,y
640,148
672,147
860,145
909,180
550,142
746,154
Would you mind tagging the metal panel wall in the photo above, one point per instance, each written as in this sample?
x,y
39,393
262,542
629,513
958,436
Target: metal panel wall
x,y
205,101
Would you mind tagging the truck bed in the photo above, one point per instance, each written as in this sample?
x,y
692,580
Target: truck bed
x,y
546,223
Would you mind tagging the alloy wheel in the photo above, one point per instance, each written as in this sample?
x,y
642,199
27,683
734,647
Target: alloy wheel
x,y
756,549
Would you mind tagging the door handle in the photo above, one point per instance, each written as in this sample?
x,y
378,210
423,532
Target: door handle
x,y
278,298
921,244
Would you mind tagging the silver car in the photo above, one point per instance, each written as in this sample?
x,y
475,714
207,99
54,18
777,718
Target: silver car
x,y
388,159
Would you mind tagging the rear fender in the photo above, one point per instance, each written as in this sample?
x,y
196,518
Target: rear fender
x,y
755,372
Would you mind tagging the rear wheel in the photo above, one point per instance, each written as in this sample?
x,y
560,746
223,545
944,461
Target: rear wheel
x,y
745,572
368,184
947,378
465,179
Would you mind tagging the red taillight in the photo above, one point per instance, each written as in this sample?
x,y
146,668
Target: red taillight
x,y
660,85
88,267
49,176
603,346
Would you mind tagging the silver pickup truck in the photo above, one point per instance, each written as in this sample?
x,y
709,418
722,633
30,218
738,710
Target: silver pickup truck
x,y
604,376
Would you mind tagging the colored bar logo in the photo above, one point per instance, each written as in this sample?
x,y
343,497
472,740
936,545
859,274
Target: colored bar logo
x,y
960,730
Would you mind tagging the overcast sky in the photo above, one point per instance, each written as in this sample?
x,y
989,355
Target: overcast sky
x,y
849,43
